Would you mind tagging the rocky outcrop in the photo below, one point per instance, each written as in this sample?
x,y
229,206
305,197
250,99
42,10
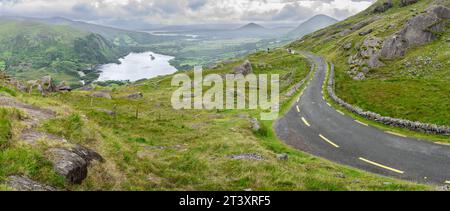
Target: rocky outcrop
x,y
358,26
247,157
20,183
69,165
383,7
418,30
404,3
63,87
368,56
70,161
416,126
364,33
244,69
87,154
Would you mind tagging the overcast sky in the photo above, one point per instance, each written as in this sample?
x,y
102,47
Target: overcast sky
x,y
184,11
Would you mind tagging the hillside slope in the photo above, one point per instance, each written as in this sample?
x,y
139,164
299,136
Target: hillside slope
x,y
311,25
392,59
31,49
147,145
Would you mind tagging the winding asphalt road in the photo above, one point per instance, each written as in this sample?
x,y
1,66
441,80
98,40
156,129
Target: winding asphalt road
x,y
313,126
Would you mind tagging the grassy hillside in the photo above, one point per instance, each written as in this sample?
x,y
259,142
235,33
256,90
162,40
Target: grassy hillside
x,y
415,86
30,50
165,149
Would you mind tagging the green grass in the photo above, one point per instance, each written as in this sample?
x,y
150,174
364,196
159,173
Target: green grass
x,y
8,91
166,149
16,159
409,133
5,132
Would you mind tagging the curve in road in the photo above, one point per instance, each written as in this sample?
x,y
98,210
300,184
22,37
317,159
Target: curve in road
x,y
313,126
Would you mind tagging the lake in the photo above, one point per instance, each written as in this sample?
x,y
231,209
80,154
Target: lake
x,y
137,66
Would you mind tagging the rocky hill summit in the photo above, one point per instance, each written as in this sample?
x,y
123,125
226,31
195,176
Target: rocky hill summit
x,y
424,27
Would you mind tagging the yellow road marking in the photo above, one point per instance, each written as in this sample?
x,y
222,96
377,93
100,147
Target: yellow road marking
x,y
382,166
330,142
306,122
298,109
298,99
396,134
362,123
329,104
342,113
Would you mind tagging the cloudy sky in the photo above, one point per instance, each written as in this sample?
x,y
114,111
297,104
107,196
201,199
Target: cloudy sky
x,y
183,11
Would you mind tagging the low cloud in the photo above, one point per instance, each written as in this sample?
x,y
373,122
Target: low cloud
x,y
183,11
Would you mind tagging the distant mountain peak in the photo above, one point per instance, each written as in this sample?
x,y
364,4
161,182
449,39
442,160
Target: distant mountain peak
x,y
252,26
311,25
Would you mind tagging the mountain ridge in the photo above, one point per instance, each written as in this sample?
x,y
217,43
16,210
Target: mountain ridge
x,y
313,24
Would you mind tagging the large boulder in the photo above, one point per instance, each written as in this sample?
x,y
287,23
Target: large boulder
x,y
87,154
418,30
69,165
244,69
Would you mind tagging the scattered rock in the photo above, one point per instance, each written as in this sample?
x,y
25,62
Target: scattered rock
x,y
20,183
283,156
358,26
367,57
341,175
255,124
135,96
243,116
404,3
365,70
387,183
390,26
47,84
69,165
244,69
364,33
383,7
443,188
88,87
108,112
102,94
247,157
348,46
32,137
63,87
